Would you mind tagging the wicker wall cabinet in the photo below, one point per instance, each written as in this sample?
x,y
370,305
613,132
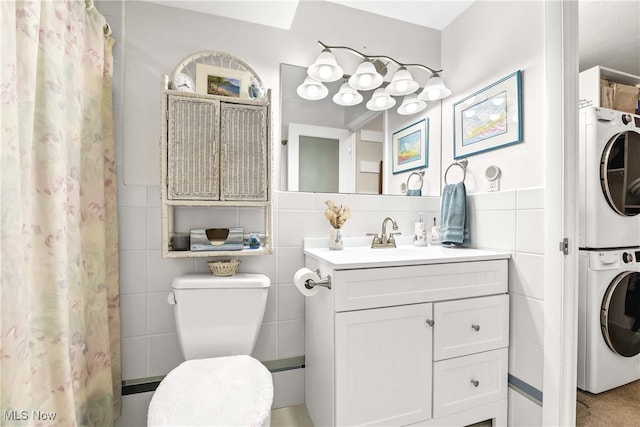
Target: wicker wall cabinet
x,y
215,153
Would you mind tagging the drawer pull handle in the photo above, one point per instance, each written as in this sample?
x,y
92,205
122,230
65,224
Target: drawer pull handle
x,y
429,322
475,327
475,383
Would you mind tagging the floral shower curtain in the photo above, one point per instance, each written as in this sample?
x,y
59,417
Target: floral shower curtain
x,y
59,299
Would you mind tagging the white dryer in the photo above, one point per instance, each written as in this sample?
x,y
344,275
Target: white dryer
x,y
609,319
609,179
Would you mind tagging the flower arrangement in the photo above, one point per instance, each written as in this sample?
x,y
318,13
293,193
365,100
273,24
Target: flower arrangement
x,y
337,215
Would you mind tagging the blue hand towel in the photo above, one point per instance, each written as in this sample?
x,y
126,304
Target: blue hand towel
x,y
453,214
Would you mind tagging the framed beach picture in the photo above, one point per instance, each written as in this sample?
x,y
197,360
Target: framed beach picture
x,y
212,80
488,119
410,147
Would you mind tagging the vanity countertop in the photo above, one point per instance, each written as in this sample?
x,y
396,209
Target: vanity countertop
x,y
365,257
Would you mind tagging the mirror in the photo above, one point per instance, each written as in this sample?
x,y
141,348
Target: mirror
x,y
339,148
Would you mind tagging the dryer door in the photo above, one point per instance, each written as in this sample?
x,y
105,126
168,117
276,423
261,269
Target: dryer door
x,y
620,314
620,173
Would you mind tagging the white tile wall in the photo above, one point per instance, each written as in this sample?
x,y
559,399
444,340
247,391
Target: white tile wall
x,y
503,220
134,410
132,228
514,221
135,356
288,388
522,411
133,271
133,312
149,344
288,391
525,277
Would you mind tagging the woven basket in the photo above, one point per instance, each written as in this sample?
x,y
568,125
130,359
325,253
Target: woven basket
x,y
223,268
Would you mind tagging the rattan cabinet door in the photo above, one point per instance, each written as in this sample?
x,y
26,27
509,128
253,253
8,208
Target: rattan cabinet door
x,y
193,148
244,156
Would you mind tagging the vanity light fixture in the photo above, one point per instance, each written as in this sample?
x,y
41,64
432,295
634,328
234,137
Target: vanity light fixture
x,y
370,75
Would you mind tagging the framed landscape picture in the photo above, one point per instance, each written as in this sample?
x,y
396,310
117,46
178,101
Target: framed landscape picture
x,y
488,119
212,80
410,147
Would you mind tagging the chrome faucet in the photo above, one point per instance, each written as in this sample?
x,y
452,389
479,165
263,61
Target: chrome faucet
x,y
384,241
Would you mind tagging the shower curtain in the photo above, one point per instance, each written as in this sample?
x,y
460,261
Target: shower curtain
x,y
59,299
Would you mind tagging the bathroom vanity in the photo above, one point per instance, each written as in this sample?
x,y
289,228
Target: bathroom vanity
x,y
407,336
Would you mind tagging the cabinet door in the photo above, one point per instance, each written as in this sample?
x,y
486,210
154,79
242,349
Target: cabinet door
x,y
383,366
193,146
244,164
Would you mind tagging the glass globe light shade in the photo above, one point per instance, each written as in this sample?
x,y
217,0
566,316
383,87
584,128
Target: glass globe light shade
x,y
325,68
411,105
380,100
402,83
366,77
312,89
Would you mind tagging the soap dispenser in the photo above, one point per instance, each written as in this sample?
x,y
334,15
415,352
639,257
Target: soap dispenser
x,y
435,234
420,232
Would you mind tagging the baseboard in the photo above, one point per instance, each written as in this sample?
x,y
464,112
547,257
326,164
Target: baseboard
x,y
144,385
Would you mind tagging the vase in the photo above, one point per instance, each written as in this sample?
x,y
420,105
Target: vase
x,y
335,239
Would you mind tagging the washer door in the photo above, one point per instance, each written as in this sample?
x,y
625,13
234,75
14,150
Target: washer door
x,y
620,314
620,173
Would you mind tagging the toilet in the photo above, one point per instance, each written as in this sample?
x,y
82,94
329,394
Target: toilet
x,y
219,384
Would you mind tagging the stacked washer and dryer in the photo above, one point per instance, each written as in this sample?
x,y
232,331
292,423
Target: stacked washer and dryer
x,y
609,240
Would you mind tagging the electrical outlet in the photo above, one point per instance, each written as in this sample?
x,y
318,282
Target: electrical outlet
x,y
493,178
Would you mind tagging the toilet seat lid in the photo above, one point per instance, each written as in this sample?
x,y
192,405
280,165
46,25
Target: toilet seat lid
x,y
220,391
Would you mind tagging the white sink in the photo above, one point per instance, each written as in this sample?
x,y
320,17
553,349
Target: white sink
x,y
367,257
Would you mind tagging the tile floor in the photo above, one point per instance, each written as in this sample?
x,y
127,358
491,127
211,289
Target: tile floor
x,y
291,416
617,407
297,416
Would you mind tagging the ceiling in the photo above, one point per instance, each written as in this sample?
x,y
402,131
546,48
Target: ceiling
x,y
609,32
435,14
610,35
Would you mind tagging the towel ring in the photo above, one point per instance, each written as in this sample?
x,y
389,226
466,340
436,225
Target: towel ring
x,y
462,164
420,175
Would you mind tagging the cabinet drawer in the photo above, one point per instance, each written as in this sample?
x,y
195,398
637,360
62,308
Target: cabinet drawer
x,y
470,326
380,287
469,381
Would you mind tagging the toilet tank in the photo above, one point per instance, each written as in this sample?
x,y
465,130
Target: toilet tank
x,y
219,316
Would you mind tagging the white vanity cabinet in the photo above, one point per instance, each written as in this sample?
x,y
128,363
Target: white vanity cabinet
x,y
422,344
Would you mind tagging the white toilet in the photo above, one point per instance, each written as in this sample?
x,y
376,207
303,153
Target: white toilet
x,y
218,320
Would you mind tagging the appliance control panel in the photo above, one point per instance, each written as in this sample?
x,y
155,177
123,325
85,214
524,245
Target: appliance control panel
x,y
614,259
618,118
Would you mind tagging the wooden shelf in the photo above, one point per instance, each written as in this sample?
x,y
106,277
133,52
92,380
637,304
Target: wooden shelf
x,y
210,254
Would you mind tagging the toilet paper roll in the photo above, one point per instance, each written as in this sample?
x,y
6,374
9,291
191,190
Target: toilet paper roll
x,y
299,279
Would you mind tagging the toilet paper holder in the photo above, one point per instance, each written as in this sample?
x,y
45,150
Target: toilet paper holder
x,y
326,282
